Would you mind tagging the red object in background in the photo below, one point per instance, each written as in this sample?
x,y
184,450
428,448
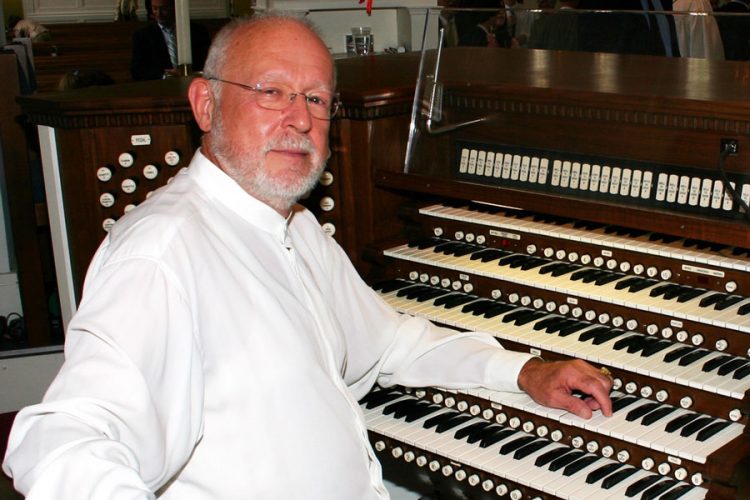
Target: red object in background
x,y
369,5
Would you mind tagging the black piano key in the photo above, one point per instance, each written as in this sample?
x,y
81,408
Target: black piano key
x,y
563,270
476,431
696,425
388,286
602,472
710,300
675,292
511,259
641,485
516,444
694,356
548,268
534,263
455,300
604,337
556,326
712,429
431,294
628,282
676,354
520,312
744,309
551,455
655,347
640,344
530,448
572,328
422,411
645,345
638,287
398,406
408,291
657,415
528,318
566,459
478,306
690,294
497,310
446,247
466,250
480,434
438,419
449,424
728,301
677,492
742,372
488,254
594,277
641,411
542,324
680,422
593,332
380,397
623,402
625,342
423,243
496,437
609,278
658,489
728,368
471,429
662,289
618,477
580,275
716,362
579,464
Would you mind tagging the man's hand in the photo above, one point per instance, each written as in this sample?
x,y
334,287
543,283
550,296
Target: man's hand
x,y
552,384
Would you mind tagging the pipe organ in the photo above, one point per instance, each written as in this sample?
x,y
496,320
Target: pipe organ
x,y
586,213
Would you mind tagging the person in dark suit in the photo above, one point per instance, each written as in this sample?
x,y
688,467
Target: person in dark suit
x,y
155,46
735,29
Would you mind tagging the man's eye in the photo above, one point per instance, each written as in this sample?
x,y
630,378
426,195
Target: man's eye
x,y
271,92
317,100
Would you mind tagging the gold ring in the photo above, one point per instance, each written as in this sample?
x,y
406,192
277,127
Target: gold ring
x,y
605,371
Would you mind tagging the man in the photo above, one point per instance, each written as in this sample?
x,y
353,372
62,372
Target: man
x,y
155,46
223,340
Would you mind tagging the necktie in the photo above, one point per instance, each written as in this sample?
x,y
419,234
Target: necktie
x,y
171,46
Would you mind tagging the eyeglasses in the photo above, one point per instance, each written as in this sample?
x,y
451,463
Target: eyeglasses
x,y
321,104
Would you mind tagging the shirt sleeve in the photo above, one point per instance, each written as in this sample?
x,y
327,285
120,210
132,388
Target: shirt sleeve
x,y
124,413
392,349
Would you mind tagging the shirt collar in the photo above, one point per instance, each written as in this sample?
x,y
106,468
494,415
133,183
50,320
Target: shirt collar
x,y
223,189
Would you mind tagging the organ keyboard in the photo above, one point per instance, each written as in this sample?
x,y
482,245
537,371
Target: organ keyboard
x,y
582,217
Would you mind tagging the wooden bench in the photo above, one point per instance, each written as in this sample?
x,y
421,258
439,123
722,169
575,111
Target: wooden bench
x,y
91,46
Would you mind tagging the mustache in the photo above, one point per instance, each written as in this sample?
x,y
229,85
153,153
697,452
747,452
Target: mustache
x,y
290,142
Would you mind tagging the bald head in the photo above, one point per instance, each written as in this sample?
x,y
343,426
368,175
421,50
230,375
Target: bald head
x,y
259,33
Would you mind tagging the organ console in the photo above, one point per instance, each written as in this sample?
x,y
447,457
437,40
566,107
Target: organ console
x,y
585,214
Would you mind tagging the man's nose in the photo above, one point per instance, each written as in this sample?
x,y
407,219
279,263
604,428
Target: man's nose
x,y
297,114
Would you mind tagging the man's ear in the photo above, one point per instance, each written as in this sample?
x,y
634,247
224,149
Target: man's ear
x,y
202,102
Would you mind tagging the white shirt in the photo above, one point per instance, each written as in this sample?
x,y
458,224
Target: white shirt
x,y
219,352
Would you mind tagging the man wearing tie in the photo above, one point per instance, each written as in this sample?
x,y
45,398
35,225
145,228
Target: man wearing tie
x,y
155,46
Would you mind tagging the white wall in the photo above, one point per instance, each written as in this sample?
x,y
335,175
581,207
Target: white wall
x,y
393,23
25,379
